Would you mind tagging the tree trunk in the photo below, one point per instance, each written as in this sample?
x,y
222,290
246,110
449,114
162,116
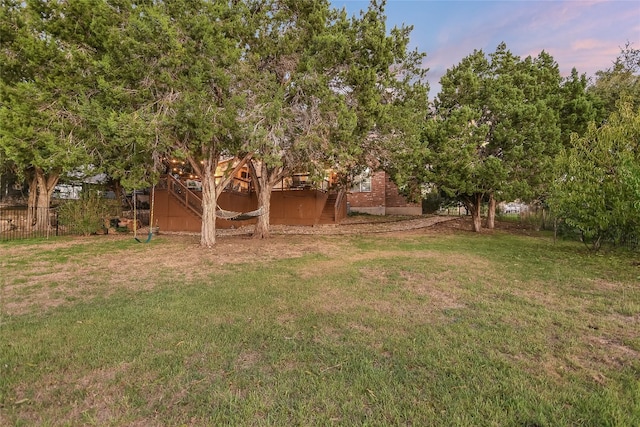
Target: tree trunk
x,y
491,214
264,186
31,201
209,205
45,190
261,231
473,204
206,169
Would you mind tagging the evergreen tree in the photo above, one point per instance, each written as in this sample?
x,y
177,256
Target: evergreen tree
x,y
620,81
171,85
289,104
328,92
500,114
44,63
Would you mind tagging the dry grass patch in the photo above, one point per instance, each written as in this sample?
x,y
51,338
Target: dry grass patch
x,y
54,278
333,301
95,397
70,270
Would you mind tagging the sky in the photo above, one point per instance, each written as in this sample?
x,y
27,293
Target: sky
x,y
585,34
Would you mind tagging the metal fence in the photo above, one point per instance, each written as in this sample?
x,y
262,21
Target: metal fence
x,y
16,224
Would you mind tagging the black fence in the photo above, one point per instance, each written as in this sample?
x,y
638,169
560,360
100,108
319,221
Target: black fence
x,y
17,223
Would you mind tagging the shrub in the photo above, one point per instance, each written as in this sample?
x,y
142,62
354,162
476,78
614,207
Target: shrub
x,y
432,202
86,215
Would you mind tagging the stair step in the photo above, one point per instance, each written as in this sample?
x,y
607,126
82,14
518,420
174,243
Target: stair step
x,y
327,215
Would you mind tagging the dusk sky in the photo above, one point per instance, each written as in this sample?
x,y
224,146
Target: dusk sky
x,y
585,34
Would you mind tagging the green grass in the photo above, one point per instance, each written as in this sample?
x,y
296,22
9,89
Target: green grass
x,y
450,330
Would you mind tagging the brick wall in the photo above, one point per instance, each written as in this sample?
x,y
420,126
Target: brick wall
x,y
384,198
372,199
392,195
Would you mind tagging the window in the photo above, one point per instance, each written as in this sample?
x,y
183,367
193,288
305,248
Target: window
x,y
362,182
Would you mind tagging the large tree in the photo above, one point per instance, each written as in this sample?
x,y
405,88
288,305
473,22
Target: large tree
x,y
44,63
328,92
288,107
498,115
171,84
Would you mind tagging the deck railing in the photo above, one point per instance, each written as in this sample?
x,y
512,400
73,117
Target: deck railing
x,y
190,199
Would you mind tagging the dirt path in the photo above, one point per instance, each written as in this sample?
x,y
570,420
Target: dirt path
x,y
351,225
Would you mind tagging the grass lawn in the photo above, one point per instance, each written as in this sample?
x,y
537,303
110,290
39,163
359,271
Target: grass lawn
x,y
432,327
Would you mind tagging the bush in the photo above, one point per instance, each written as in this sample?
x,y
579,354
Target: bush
x,y
432,203
597,185
86,215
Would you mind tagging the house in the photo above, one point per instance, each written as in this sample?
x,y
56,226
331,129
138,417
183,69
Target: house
x,y
294,201
375,194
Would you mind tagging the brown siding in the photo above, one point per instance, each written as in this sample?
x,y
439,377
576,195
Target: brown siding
x,y
301,207
170,215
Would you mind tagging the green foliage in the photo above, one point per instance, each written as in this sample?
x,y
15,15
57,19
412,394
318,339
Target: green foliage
x,y
597,185
580,107
432,202
42,82
620,81
87,215
493,131
171,83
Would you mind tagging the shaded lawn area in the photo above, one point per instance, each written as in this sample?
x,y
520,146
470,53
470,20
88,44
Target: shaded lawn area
x,y
430,327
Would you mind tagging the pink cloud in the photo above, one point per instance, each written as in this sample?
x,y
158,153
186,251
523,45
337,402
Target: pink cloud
x,y
588,44
585,34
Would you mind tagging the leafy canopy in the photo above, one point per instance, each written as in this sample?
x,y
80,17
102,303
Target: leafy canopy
x,y
597,189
